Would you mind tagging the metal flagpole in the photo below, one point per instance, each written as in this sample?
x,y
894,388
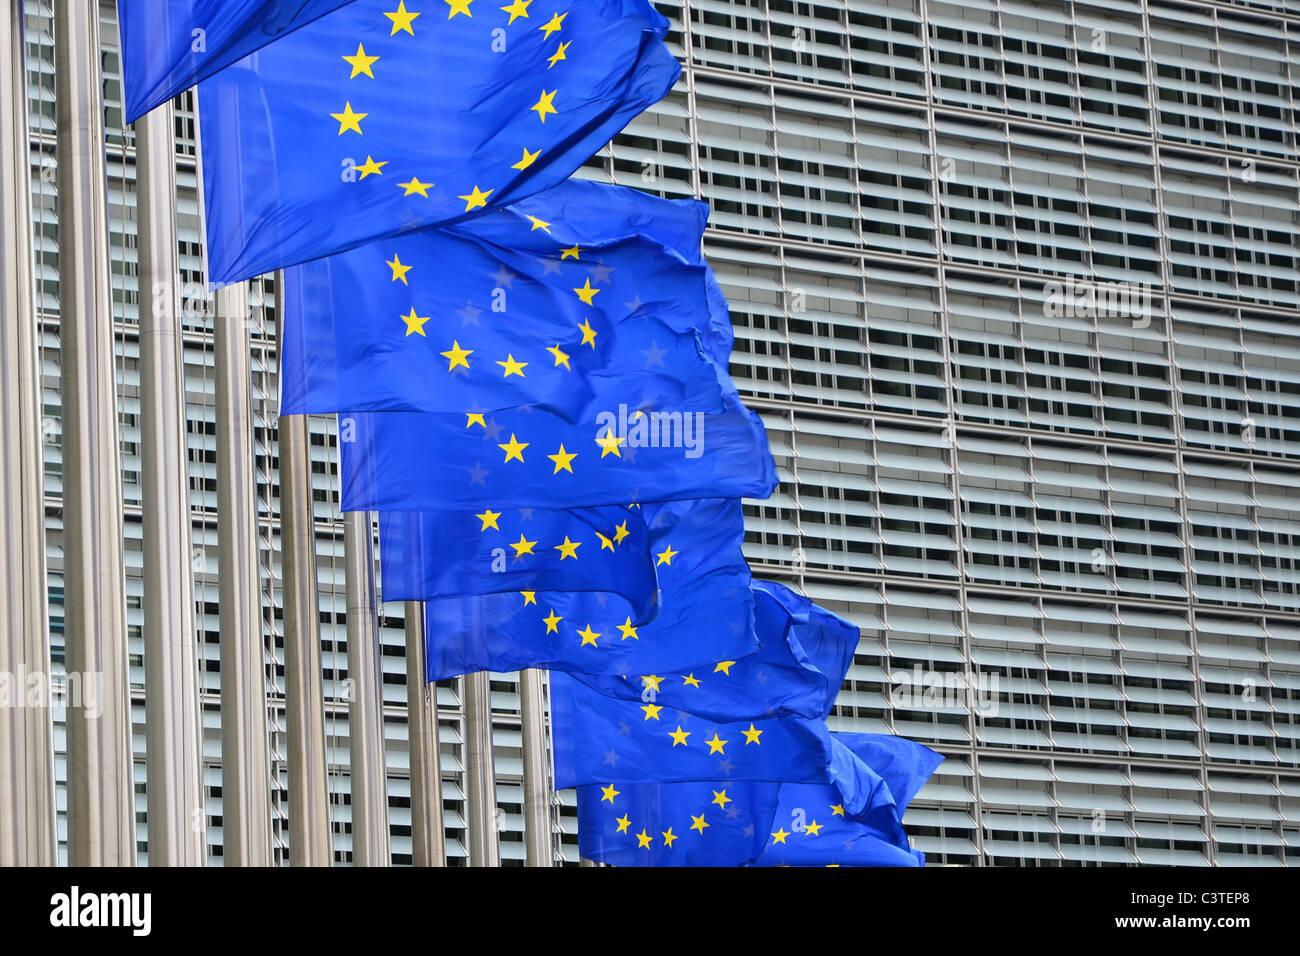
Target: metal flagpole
x,y
245,753
370,841
27,835
173,742
428,842
537,778
304,693
480,772
101,791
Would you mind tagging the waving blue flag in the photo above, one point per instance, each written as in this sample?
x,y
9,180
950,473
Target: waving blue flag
x,y
169,45
384,117
814,826
414,461
433,554
505,310
705,611
781,678
675,824
602,740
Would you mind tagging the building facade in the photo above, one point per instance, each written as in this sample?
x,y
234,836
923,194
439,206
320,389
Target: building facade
x,y
1014,286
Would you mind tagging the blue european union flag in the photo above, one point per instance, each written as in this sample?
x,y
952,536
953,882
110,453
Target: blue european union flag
x,y
433,554
169,46
384,117
815,826
675,824
506,310
803,656
600,740
415,461
705,610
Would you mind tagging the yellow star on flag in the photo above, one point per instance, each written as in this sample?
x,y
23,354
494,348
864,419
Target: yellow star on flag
x,y
517,9
557,19
512,367
588,334
558,55
459,6
474,418
690,680
457,356
643,840
609,443
477,199
371,168
698,823
620,533
348,120
414,323
401,19
723,667
716,744
586,293
605,542
413,186
399,270
527,160
608,793
514,449
489,519
561,357
570,253
552,622
522,546
569,549
562,461
752,735
623,823
666,556
361,63
628,630
530,597
544,105
837,809
679,736
720,798
779,836
813,829
538,224
651,680
588,636
651,711
669,837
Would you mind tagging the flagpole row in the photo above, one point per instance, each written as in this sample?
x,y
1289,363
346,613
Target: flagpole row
x,y
245,754
428,841
480,771
537,777
27,835
304,694
370,837
100,790
173,737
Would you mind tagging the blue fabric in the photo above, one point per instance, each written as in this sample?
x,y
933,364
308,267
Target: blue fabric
x,y
415,461
816,825
780,679
705,611
169,45
675,824
433,554
468,111
489,314
603,740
